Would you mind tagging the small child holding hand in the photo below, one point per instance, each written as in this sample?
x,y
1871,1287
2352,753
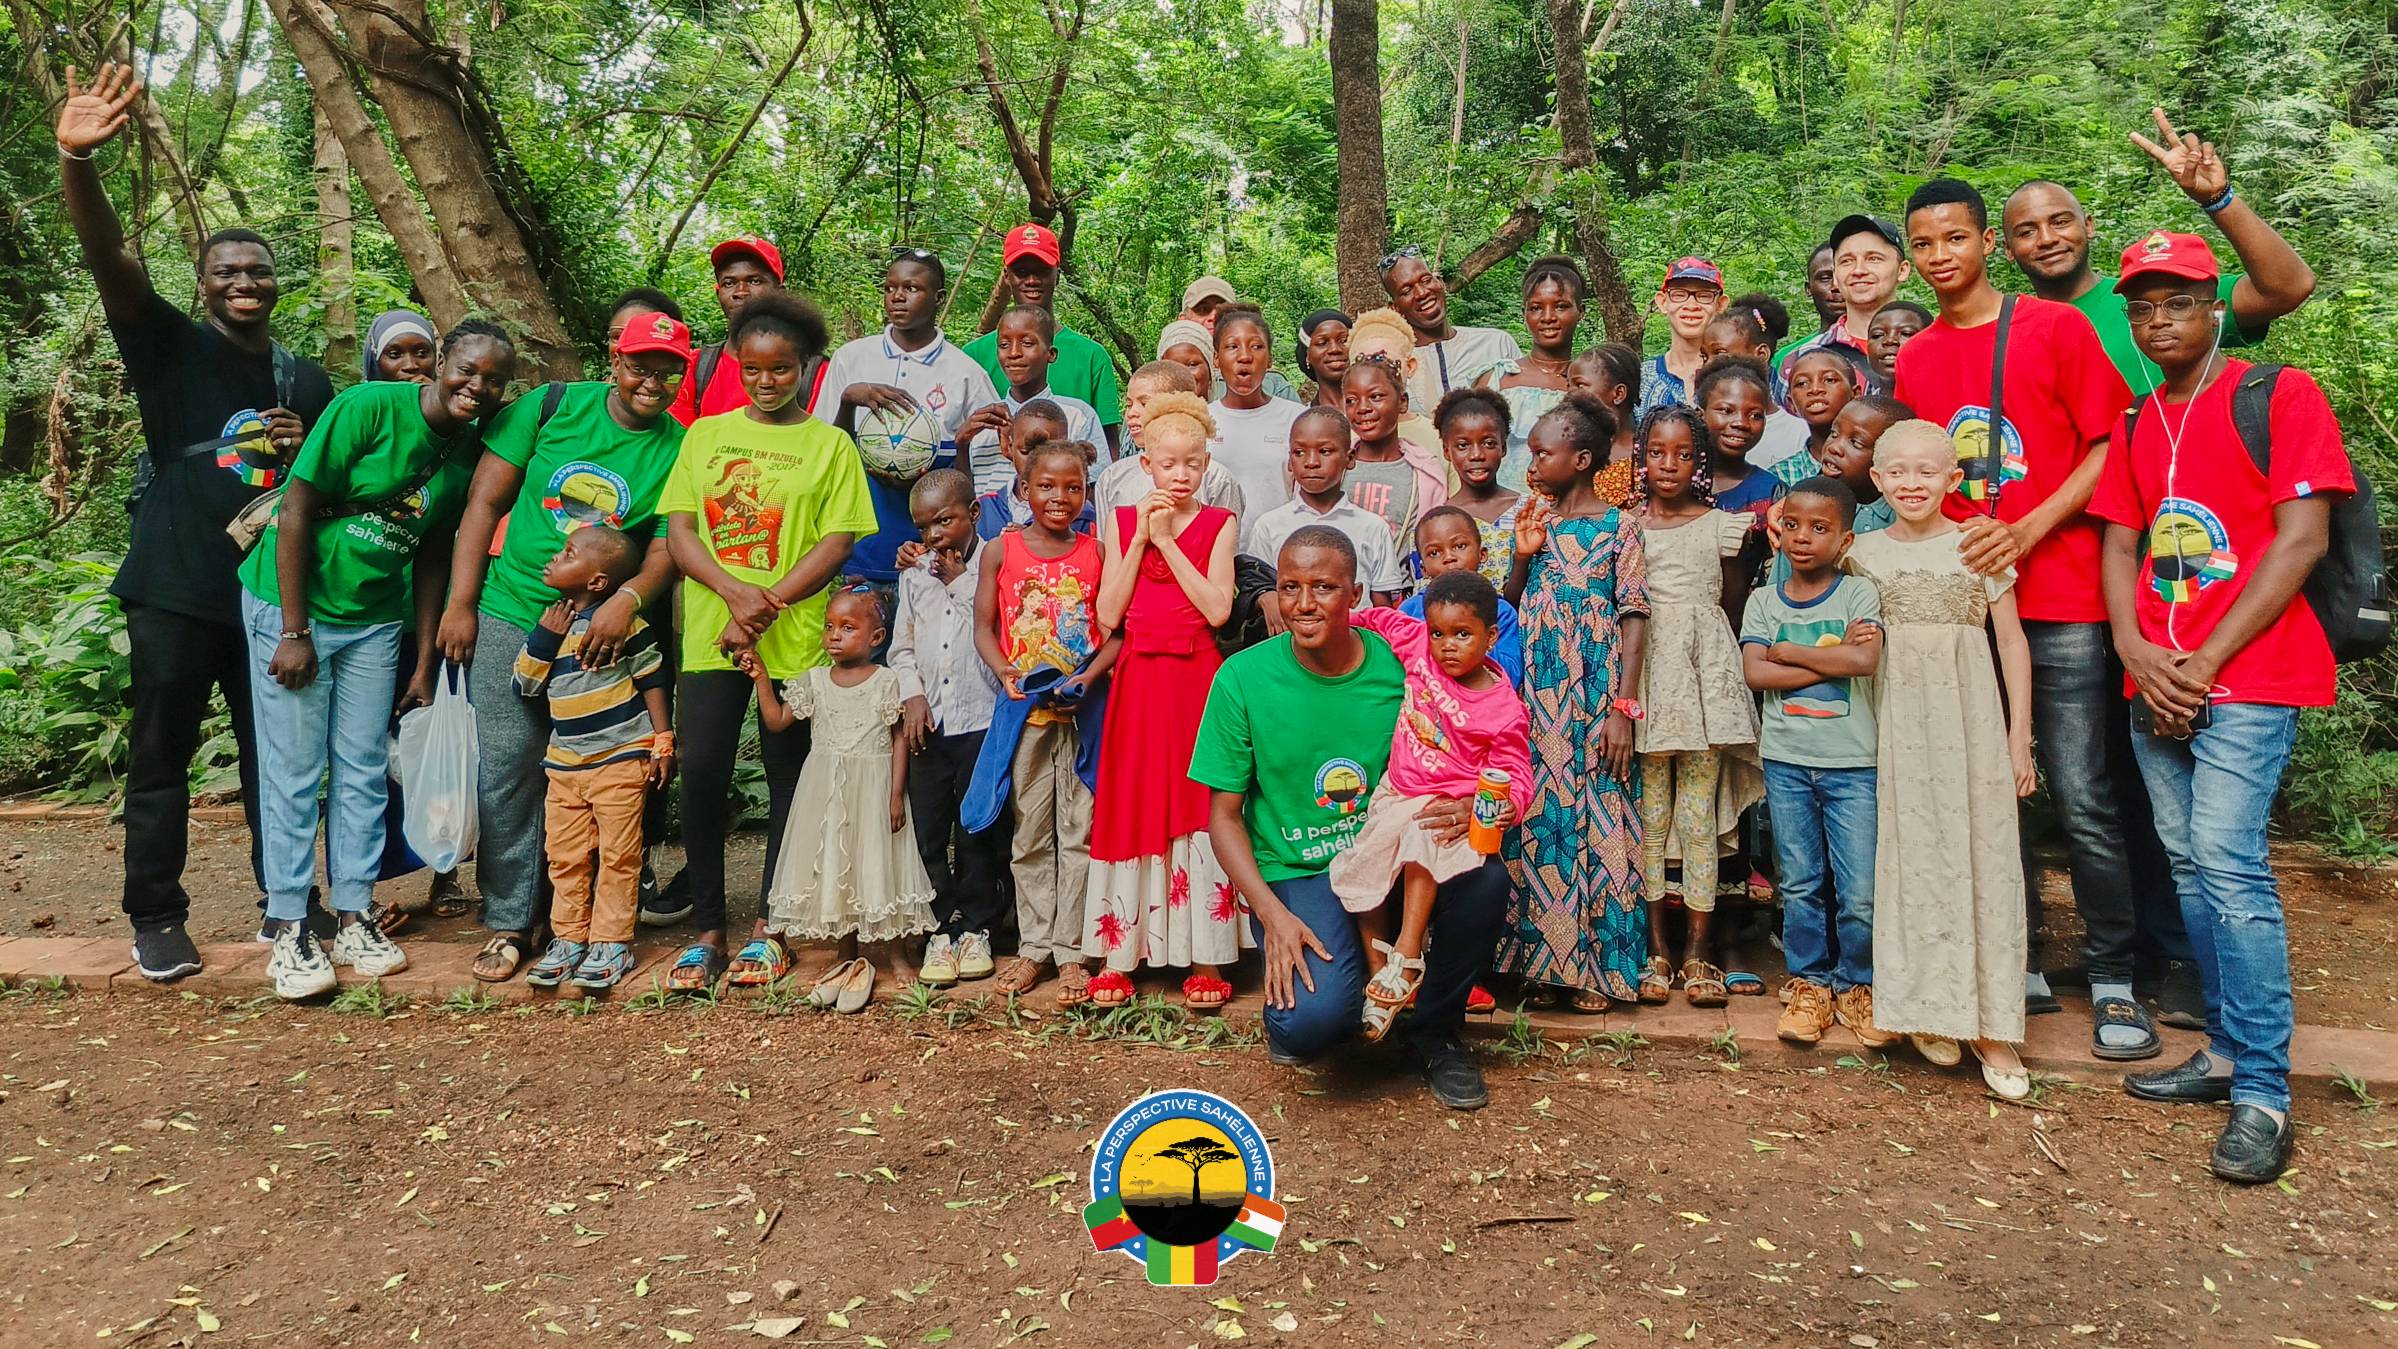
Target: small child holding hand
x,y
600,771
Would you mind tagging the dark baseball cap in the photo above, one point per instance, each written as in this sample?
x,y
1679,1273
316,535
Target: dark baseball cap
x,y
1865,224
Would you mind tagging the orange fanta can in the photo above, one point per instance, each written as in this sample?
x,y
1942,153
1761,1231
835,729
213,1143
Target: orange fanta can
x,y
1490,807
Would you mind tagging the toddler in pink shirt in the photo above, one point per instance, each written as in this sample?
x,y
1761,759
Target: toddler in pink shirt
x,y
1459,717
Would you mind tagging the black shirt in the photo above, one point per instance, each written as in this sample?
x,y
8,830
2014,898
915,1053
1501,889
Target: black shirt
x,y
194,386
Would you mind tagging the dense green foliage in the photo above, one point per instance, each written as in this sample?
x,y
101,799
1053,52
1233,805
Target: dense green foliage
x,y
1196,135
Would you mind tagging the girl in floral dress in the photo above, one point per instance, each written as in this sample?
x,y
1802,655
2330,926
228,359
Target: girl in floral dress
x,y
1581,581
1156,895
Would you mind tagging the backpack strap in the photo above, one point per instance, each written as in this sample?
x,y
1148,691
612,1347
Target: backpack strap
x,y
552,394
703,371
2252,414
1994,456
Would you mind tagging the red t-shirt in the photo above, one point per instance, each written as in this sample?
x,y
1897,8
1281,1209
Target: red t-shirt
x,y
2208,515
2062,395
725,393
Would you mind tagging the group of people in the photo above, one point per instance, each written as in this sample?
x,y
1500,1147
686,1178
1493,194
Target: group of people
x,y
1450,665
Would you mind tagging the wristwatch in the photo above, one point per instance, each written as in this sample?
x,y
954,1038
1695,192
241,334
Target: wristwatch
x,y
1630,707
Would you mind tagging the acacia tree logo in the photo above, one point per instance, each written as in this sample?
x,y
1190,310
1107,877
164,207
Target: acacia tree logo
x,y
1198,1154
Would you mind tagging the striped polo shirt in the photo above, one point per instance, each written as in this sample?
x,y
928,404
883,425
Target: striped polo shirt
x,y
596,716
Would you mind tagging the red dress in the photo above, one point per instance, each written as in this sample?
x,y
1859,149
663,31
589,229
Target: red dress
x,y
1156,895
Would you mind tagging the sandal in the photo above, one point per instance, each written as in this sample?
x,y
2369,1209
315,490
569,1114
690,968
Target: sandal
x,y
1742,984
1206,992
447,898
389,919
1110,988
1588,1001
1478,1001
1657,981
1073,985
1703,984
500,958
1391,991
1018,976
761,961
2122,1012
695,969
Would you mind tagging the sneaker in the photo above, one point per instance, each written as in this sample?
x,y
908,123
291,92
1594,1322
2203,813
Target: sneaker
x,y
605,965
363,947
662,906
2181,999
297,967
1809,1014
1450,1071
322,925
164,953
561,959
1854,1007
940,966
974,955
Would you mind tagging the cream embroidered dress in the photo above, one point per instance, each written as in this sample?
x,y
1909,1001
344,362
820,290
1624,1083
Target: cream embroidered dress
x,y
842,869
1948,922
1694,694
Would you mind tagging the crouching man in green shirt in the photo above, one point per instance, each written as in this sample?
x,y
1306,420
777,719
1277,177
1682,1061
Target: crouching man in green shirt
x,y
1295,738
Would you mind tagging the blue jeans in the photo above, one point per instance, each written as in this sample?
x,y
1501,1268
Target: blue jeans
x,y
341,722
1467,912
1824,822
2212,794
2081,734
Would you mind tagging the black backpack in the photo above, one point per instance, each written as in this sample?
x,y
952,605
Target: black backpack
x,y
2349,588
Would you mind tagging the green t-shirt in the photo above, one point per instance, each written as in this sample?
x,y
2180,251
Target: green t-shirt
x,y
371,442
1829,723
2104,308
581,469
1308,751
761,496
1082,370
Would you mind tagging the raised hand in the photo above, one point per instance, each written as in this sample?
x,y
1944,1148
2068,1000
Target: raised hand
x,y
91,116
2193,163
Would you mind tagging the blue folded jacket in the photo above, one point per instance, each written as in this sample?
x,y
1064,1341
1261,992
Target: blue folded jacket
x,y
994,775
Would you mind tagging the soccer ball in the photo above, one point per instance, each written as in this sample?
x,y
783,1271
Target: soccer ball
x,y
900,445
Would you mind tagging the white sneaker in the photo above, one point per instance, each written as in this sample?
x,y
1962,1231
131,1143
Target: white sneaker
x,y
363,947
940,966
974,955
297,966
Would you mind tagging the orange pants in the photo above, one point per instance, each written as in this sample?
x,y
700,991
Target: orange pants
x,y
595,810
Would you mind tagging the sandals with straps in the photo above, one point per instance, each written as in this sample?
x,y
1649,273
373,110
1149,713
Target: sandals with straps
x,y
1657,981
695,970
500,958
1703,984
1017,977
1205,993
1391,991
760,962
1109,988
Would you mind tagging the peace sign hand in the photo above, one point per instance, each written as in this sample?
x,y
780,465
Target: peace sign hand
x,y
2195,166
91,116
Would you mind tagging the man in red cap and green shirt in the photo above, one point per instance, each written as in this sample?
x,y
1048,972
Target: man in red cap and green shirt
x,y
746,268
1082,368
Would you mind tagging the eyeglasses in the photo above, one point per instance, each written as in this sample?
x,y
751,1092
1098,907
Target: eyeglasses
x,y
1391,258
664,379
1678,295
2178,309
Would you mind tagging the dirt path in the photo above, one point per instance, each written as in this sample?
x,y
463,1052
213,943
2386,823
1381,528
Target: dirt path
x,y
303,1177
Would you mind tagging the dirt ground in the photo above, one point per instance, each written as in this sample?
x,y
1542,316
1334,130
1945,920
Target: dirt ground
x,y
189,1172
63,879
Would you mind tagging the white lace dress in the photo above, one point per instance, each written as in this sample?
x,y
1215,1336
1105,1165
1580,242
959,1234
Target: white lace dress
x,y
1948,922
842,869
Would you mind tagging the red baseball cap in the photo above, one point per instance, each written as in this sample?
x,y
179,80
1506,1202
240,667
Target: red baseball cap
x,y
2164,253
655,332
1694,269
1037,241
748,246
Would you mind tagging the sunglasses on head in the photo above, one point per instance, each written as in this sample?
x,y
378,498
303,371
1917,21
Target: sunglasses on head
x,y
1391,258
913,254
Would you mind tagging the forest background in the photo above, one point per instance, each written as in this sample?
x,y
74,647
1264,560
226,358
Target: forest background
x,y
527,159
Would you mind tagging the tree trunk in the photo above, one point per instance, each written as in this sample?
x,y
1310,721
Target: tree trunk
x,y
309,28
1363,220
1619,314
423,96
335,273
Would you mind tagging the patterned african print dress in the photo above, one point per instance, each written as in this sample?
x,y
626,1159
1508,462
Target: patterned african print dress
x,y
1575,919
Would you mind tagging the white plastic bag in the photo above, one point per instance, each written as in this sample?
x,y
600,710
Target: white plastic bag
x,y
438,759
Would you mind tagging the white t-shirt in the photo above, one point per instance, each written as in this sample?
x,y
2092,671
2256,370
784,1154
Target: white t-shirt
x,y
1457,362
943,380
992,471
1254,446
1785,434
1377,559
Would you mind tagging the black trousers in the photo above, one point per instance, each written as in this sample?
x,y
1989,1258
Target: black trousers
x,y
177,662
966,894
709,708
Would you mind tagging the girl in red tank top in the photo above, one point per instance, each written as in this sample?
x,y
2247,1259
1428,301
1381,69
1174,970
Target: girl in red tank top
x,y
1156,894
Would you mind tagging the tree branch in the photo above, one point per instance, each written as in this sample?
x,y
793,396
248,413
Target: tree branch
x,y
724,156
